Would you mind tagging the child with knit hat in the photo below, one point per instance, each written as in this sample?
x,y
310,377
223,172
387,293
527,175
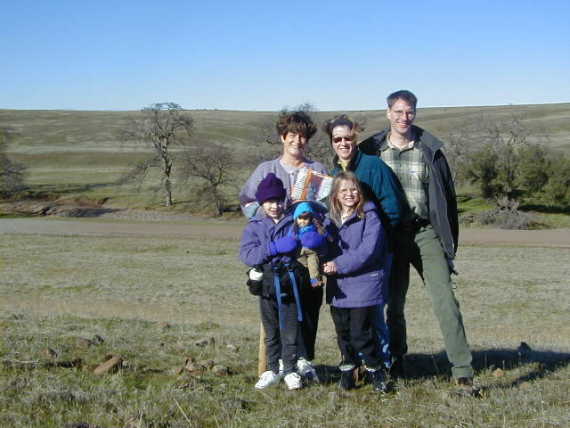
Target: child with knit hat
x,y
267,243
312,236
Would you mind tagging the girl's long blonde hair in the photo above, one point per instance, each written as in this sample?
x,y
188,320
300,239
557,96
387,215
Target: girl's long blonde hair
x,y
335,207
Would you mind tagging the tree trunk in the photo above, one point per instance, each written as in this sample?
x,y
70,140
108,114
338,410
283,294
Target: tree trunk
x,y
168,191
167,169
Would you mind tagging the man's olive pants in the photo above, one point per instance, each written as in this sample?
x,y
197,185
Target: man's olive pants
x,y
423,250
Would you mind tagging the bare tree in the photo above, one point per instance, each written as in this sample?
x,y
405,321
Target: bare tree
x,y
11,173
160,126
460,143
212,163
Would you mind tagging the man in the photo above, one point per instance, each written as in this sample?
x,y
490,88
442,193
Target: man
x,y
428,240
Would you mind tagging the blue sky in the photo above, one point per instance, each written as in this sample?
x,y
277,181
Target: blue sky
x,y
264,55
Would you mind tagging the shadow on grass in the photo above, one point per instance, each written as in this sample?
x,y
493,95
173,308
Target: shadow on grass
x,y
87,212
425,366
48,192
546,209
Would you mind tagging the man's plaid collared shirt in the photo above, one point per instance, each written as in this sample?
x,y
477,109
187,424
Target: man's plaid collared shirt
x,y
413,173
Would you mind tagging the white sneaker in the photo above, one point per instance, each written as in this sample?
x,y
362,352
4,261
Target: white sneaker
x,y
305,368
293,381
267,378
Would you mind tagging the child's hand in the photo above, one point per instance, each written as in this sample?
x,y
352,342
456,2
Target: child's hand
x,y
316,283
329,268
284,245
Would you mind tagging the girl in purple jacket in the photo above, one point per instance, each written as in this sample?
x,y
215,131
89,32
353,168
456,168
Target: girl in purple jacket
x,y
356,289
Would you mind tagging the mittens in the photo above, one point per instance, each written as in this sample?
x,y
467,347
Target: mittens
x,y
284,245
255,275
312,240
254,283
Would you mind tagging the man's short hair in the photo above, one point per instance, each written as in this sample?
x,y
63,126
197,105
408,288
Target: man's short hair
x,y
297,121
403,94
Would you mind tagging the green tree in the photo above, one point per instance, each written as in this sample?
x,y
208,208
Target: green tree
x,y
482,168
496,166
557,189
533,168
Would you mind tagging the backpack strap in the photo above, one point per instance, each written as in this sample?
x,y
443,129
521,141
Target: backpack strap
x,y
277,285
279,296
295,292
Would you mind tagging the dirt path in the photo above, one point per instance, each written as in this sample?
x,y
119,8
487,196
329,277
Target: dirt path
x,y
559,238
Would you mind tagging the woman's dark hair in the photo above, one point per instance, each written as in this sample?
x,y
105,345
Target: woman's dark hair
x,y
297,121
342,120
335,209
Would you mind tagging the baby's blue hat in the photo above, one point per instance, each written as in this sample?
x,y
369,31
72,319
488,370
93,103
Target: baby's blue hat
x,y
303,207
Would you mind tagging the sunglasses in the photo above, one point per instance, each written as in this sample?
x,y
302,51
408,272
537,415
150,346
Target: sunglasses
x,y
337,140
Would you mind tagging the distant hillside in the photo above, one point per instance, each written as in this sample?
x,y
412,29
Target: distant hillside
x,y
43,131
79,148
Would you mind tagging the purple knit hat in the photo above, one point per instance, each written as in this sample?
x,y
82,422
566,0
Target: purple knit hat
x,y
271,187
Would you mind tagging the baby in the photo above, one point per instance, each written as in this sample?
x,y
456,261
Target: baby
x,y
312,235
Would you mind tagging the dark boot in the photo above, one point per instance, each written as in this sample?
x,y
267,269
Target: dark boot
x,y
466,388
379,381
347,380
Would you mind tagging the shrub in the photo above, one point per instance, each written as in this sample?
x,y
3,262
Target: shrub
x,y
507,216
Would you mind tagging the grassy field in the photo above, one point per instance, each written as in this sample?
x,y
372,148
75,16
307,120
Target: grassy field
x,y
67,302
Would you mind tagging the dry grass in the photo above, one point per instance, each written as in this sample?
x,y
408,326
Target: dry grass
x,y
55,290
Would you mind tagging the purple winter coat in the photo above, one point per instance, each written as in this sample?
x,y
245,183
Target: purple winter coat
x,y
360,257
258,232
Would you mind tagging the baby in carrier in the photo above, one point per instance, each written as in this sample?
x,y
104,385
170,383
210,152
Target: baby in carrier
x,y
312,236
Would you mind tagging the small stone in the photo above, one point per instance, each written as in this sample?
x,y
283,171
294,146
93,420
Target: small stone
x,y
498,372
207,363
82,342
525,385
80,425
193,367
50,353
220,370
110,365
205,342
178,370
97,340
232,348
